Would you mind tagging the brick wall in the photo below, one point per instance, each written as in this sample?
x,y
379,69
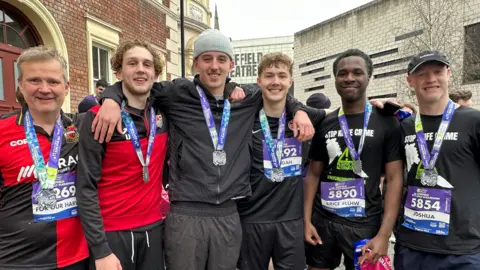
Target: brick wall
x,y
383,29
136,19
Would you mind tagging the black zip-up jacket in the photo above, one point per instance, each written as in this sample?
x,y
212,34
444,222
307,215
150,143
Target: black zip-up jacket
x,y
192,176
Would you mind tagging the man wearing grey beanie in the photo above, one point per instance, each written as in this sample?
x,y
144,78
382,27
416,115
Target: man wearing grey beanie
x,y
203,230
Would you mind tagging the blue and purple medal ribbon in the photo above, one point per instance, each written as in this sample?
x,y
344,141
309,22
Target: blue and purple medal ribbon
x,y
346,131
132,131
274,150
429,159
218,141
46,174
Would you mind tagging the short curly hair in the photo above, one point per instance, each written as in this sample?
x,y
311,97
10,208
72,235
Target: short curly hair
x,y
273,59
117,58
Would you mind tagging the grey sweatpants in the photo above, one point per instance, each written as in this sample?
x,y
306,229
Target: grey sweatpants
x,y
204,238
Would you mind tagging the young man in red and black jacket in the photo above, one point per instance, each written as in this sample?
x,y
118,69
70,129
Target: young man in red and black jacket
x,y
39,226
120,182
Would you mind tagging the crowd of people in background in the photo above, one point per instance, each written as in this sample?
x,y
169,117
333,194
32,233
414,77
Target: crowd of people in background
x,y
210,174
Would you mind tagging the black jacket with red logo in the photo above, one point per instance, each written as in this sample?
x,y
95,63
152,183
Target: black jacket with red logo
x,y
25,244
112,195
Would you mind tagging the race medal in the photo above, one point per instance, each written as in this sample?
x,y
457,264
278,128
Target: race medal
x,y
219,158
135,139
345,198
46,198
277,175
429,178
275,149
427,210
354,154
43,193
145,174
357,167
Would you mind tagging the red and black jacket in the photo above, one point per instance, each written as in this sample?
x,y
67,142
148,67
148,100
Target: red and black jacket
x,y
112,195
25,244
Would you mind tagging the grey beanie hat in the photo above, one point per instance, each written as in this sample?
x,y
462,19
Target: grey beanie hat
x,y
212,40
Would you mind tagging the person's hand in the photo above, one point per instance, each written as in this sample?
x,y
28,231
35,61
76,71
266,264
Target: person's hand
x,y
238,94
375,249
108,117
379,102
311,234
302,126
108,263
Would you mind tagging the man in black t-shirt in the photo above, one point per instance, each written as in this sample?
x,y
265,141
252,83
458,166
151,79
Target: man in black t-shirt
x,y
342,184
271,218
440,226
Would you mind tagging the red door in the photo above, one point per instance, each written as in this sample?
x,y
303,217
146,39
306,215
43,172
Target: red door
x,y
8,57
16,34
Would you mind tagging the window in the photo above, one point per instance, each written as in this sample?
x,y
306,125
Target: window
x,y
102,39
100,63
471,56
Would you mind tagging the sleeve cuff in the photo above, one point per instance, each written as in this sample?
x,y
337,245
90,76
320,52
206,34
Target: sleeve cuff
x,y
101,250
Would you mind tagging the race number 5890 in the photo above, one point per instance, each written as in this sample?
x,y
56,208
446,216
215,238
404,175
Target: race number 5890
x,y
339,194
65,192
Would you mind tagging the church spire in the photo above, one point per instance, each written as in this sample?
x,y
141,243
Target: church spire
x,y
217,24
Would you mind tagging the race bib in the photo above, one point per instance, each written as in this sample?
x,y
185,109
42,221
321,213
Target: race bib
x,y
345,199
428,210
58,203
291,158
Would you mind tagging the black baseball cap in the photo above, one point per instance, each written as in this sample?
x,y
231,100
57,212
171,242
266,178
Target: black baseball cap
x,y
319,101
424,57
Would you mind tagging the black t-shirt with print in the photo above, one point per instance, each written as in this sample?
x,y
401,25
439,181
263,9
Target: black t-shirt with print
x,y
382,145
459,164
274,201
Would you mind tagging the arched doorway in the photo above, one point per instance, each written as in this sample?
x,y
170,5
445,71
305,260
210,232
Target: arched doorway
x,y
16,34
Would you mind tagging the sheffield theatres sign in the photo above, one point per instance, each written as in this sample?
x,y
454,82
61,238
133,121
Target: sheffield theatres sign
x,y
246,64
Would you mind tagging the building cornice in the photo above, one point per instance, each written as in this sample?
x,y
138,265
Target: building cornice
x,y
165,10
103,23
195,25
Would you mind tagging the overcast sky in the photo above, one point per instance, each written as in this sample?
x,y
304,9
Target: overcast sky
x,y
245,19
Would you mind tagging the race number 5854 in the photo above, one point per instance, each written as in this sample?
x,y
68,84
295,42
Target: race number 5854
x,y
425,204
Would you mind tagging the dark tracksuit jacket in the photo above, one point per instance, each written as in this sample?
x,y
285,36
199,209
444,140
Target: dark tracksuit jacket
x,y
192,175
112,195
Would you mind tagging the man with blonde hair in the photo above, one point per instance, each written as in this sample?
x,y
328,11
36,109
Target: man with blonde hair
x,y
120,182
272,218
39,227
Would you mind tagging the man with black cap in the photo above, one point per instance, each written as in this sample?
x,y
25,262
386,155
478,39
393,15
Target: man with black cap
x,y
440,226
203,230
319,101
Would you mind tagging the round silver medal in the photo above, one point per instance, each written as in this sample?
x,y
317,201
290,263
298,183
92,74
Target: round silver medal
x,y
357,167
219,158
46,198
277,175
429,178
